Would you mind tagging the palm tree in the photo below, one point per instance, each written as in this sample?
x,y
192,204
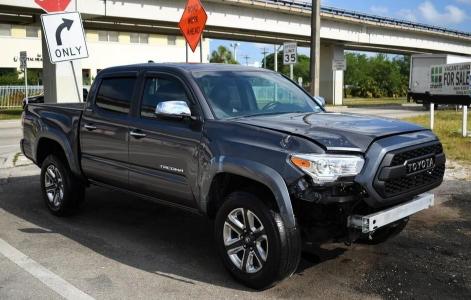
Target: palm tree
x,y
222,55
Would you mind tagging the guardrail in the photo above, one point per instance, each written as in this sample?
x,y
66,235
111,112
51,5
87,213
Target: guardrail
x,y
11,97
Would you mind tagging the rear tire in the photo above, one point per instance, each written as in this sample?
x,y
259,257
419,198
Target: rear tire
x,y
255,245
62,192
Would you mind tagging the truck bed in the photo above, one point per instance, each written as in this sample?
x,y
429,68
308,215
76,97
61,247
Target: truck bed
x,y
58,121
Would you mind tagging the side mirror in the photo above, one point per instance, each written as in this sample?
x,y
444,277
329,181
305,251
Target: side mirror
x,y
320,100
173,109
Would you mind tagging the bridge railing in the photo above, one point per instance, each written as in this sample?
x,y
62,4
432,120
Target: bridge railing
x,y
367,17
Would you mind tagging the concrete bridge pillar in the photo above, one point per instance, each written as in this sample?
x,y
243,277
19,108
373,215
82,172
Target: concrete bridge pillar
x,y
331,82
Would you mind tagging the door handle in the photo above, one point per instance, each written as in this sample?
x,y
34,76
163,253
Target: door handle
x,y
89,127
136,133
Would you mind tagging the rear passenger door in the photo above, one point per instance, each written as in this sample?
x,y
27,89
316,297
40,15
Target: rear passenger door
x,y
163,154
104,130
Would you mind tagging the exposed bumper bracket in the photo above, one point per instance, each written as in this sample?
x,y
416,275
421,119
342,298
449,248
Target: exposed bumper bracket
x,y
382,218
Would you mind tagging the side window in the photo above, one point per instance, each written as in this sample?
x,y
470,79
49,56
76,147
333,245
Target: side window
x,y
267,92
114,94
224,96
158,90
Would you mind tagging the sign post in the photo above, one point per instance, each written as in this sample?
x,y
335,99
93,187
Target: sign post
x,y
290,57
24,67
65,39
192,25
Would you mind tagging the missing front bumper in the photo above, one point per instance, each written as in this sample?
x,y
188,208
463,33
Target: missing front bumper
x,y
379,219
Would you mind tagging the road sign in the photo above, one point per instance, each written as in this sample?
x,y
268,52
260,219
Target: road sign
x,y
23,60
193,22
290,53
339,64
64,36
53,5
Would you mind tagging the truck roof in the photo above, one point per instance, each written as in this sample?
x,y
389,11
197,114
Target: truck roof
x,y
189,67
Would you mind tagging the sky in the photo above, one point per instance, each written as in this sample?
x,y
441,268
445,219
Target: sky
x,y
453,14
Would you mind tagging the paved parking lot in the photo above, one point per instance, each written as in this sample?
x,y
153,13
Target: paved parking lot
x,y
119,246
123,247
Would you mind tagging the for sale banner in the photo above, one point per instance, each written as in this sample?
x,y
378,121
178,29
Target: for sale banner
x,y
453,79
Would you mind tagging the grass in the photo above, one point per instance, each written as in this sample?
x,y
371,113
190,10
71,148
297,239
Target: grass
x,y
374,101
10,114
448,126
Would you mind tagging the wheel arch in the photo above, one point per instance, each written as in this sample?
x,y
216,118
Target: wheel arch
x,y
239,171
49,144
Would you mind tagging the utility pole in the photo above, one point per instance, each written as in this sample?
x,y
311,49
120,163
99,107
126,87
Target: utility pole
x,y
264,52
235,46
315,46
246,57
275,50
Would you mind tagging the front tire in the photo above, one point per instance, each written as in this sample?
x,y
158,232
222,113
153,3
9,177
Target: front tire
x,y
255,245
62,192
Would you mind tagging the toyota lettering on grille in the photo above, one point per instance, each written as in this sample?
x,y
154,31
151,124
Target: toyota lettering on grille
x,y
420,165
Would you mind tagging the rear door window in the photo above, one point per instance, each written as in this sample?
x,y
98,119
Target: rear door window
x,y
115,94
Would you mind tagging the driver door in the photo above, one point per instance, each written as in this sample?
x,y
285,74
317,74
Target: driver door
x,y
162,150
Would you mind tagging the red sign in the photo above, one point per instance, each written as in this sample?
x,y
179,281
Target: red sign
x,y
193,22
53,5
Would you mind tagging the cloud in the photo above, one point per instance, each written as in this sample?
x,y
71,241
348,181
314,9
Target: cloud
x,y
380,10
407,14
451,14
464,1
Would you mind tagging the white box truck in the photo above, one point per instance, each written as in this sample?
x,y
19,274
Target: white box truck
x,y
439,79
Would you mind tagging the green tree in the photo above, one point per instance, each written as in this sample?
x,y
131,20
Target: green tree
x,y
223,56
301,69
376,76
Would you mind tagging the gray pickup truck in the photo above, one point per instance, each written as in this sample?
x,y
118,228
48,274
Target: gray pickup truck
x,y
245,147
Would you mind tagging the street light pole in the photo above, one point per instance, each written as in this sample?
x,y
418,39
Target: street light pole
x,y
234,46
315,46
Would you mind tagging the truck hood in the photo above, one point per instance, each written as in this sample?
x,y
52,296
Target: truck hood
x,y
333,131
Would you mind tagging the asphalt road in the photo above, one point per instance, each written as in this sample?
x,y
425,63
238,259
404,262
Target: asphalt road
x,y
394,111
10,134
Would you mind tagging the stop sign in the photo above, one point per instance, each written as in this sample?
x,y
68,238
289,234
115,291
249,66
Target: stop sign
x,y
193,22
53,5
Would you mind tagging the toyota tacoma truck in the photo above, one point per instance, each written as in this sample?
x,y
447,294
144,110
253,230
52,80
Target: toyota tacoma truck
x,y
245,147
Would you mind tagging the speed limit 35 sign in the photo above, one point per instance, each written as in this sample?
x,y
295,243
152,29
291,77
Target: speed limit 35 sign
x,y
290,53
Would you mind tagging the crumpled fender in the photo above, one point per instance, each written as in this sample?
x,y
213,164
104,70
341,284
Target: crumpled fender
x,y
252,170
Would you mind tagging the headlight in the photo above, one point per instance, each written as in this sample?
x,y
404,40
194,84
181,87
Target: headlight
x,y
325,168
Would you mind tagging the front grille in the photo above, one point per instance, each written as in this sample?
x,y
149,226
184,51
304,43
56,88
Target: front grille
x,y
402,157
400,185
408,184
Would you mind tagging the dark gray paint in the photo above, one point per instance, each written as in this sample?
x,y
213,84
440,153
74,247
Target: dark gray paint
x,y
258,148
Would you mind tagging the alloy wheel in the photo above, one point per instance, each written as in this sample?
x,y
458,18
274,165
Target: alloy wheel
x,y
54,186
245,240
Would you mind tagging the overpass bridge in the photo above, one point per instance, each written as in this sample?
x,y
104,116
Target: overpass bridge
x,y
264,21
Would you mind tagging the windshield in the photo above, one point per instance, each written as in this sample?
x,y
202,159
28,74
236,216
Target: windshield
x,y
243,94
